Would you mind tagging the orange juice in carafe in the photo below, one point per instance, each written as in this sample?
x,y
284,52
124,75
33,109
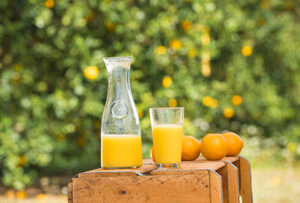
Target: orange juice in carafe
x,y
123,151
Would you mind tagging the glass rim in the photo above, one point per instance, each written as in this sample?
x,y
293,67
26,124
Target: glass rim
x,y
118,59
167,108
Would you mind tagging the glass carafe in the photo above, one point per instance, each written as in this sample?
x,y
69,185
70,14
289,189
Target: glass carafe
x,y
121,144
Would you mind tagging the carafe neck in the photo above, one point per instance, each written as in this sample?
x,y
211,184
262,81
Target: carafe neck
x,y
118,75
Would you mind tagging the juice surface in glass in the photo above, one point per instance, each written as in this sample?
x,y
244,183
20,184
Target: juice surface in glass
x,y
167,142
121,151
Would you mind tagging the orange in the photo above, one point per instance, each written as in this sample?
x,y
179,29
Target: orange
x,y
167,81
21,194
235,143
91,72
49,3
190,148
152,154
246,50
214,146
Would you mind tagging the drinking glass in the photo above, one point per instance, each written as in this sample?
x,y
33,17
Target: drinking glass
x,y
167,133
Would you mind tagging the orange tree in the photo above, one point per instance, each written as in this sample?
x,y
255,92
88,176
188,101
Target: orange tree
x,y
232,65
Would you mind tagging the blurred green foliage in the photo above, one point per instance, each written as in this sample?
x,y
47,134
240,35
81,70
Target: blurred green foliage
x,y
197,54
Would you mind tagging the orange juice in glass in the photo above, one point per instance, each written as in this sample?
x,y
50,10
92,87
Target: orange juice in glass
x,y
121,151
167,132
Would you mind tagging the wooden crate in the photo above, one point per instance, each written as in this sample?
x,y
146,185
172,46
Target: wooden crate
x,y
194,181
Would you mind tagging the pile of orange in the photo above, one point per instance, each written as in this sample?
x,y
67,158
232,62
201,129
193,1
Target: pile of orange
x,y
216,146
213,146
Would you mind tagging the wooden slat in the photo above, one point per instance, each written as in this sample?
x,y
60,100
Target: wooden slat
x,y
200,159
188,165
118,172
162,188
245,180
216,191
224,173
213,165
231,159
233,183
179,172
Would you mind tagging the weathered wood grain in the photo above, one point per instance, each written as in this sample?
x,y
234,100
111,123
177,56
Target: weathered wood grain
x,y
195,181
232,183
216,190
162,188
224,173
231,159
245,180
202,164
118,172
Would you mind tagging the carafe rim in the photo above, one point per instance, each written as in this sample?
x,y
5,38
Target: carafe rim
x,y
118,59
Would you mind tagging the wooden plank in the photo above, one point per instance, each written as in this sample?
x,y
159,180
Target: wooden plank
x,y
231,159
179,172
233,183
230,182
162,188
118,172
189,167
200,163
200,159
227,158
213,165
245,180
224,173
107,174
70,193
216,191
